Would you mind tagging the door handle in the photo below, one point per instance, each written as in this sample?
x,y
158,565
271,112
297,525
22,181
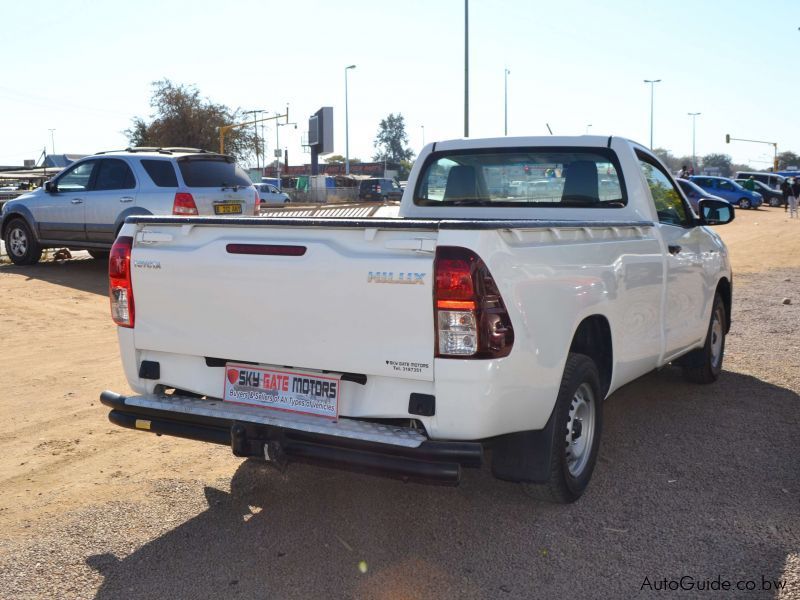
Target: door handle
x,y
674,249
126,199
76,201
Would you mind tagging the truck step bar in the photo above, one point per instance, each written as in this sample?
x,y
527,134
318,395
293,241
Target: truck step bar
x,y
361,446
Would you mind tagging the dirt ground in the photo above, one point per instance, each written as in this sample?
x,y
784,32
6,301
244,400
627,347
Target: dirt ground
x,y
703,480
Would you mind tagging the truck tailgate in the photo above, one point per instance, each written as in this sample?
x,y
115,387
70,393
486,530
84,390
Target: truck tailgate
x,y
350,300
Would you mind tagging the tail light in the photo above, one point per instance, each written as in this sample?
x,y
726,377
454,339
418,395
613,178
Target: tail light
x,y
471,319
257,209
184,204
120,288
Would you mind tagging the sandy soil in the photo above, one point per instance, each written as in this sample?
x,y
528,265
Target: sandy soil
x,y
60,459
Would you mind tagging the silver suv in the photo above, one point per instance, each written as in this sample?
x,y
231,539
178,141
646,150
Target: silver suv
x,y
85,205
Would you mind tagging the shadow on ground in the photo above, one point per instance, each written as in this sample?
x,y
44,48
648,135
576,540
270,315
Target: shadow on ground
x,y
80,273
693,480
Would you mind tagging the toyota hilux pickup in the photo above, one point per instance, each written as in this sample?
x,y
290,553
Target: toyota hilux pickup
x,y
467,323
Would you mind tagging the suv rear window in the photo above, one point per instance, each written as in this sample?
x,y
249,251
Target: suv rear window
x,y
544,177
161,172
212,172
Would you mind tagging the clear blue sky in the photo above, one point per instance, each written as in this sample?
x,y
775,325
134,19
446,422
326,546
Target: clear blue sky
x,y
85,68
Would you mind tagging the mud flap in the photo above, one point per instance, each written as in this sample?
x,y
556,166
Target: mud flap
x,y
525,455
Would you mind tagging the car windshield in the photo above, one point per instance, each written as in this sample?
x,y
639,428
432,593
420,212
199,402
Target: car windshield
x,y
543,177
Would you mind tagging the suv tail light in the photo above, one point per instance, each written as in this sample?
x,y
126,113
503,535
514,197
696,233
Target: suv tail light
x,y
184,204
257,209
471,318
120,289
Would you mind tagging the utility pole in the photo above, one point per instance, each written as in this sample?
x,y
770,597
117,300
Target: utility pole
x,y
466,68
506,73
652,83
694,157
52,140
346,125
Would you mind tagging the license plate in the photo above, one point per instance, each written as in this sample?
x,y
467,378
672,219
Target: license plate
x,y
228,209
284,390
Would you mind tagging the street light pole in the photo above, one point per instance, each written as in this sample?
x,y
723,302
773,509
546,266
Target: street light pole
x,y
346,125
506,73
423,135
52,140
694,118
466,68
652,83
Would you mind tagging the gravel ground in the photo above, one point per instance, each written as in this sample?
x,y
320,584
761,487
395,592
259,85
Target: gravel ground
x,y
697,481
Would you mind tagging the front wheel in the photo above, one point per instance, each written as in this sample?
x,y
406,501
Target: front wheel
x,y
744,203
21,245
576,440
705,364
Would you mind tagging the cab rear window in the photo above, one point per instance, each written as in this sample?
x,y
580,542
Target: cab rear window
x,y
212,173
543,177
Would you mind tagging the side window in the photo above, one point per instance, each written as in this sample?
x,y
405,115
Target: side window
x,y
161,172
77,178
668,201
114,174
725,185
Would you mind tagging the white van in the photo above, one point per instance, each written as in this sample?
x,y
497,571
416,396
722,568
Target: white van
x,y
773,180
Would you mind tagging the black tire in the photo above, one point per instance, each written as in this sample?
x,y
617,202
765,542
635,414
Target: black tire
x,y
744,203
705,364
21,245
775,202
570,475
99,254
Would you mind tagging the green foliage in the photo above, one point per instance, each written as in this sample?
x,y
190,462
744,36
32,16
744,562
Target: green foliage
x,y
338,159
787,159
721,161
405,169
182,117
391,140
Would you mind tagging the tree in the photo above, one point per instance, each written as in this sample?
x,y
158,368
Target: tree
x,y
667,158
787,159
391,139
720,161
182,118
338,159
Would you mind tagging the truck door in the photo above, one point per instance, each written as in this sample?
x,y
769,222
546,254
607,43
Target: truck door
x,y
684,297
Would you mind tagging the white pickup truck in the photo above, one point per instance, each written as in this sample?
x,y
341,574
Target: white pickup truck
x,y
408,342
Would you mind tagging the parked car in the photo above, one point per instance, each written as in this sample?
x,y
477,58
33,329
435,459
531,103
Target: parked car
x,y
269,194
729,190
773,180
379,189
467,319
694,193
771,196
85,205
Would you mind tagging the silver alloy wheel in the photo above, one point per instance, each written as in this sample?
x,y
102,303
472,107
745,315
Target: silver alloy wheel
x,y
580,429
17,241
744,203
716,338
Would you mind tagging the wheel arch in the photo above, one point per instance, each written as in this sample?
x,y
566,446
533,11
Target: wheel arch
x,y
593,338
133,210
19,212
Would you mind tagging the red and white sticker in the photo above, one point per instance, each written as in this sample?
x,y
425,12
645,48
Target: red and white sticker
x,y
282,390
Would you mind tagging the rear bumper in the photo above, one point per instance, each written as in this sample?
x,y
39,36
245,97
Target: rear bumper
x,y
408,458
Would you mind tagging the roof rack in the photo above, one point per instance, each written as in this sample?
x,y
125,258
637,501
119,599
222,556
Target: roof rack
x,y
169,150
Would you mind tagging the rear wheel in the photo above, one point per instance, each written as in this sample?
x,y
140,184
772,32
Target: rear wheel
x,y
744,203
21,246
705,364
576,441
774,202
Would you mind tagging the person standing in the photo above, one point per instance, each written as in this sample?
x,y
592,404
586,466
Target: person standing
x,y
795,193
786,190
750,184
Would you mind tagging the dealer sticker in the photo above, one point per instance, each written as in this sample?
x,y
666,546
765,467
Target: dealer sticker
x,y
282,390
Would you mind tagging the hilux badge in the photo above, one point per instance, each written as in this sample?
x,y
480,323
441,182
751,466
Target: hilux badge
x,y
389,277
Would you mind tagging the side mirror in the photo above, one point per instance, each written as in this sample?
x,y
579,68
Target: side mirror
x,y
50,187
715,212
